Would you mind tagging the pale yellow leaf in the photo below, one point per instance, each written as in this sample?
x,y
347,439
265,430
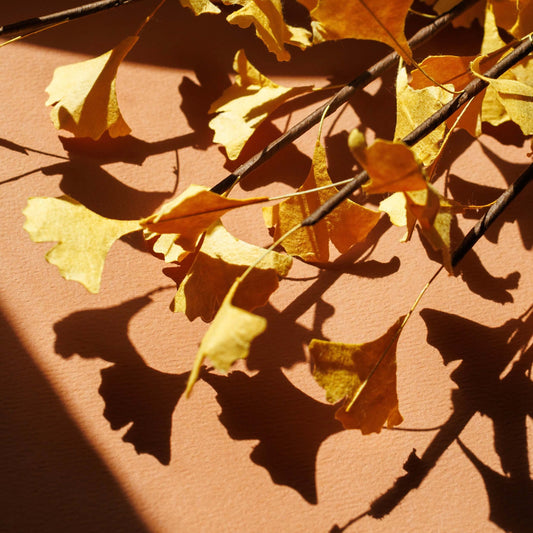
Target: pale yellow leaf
x,y
200,6
83,237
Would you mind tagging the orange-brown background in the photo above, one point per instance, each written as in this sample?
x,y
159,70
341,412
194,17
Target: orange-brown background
x,y
94,434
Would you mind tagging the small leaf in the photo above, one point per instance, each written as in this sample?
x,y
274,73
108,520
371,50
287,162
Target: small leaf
x,y
191,213
228,338
246,104
83,237
83,95
345,226
270,26
220,260
200,6
378,20
341,369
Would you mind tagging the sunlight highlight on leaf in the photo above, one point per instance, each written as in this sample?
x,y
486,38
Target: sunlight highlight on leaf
x,y
84,98
83,237
246,104
200,6
341,369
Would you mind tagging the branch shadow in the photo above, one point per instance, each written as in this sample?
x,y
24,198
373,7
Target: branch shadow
x,y
132,391
484,354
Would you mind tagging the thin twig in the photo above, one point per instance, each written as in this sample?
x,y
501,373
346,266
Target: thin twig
x,y
62,16
342,96
471,90
490,216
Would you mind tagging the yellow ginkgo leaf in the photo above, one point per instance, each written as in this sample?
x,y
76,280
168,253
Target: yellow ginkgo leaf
x,y
83,95
414,106
391,166
83,237
200,6
342,369
165,244
221,259
246,104
191,213
228,338
270,26
378,20
345,226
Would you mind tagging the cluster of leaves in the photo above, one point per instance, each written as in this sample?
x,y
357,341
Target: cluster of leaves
x,y
227,278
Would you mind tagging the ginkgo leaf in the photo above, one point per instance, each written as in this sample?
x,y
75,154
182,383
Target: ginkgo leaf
x,y
246,104
191,213
346,225
220,260
166,245
270,26
228,338
391,166
341,369
414,106
84,98
378,20
200,6
83,237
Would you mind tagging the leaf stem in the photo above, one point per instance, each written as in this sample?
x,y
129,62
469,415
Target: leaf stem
x,y
62,16
341,97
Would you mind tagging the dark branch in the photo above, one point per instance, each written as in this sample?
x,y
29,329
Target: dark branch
x,y
341,97
61,16
491,215
471,90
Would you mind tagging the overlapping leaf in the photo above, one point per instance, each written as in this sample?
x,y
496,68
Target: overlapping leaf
x,y
84,98
191,213
342,369
246,104
228,338
378,20
348,224
200,6
220,260
83,237
270,26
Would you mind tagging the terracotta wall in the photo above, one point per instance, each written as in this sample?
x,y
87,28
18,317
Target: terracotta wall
x,y
95,433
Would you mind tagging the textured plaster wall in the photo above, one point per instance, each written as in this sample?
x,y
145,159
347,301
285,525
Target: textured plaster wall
x,y
94,433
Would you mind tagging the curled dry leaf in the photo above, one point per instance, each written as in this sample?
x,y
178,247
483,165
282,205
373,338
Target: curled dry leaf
x,y
345,226
378,20
83,237
220,260
270,26
84,98
246,104
200,6
228,338
391,166
191,213
341,369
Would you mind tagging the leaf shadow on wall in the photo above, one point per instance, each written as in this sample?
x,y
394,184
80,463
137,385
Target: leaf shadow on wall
x,y
132,391
484,353
289,424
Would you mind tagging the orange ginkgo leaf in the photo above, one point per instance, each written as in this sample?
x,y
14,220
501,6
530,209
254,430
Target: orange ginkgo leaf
x,y
465,19
270,26
391,166
342,369
378,20
191,213
200,6
83,237
228,338
246,104
221,259
345,226
84,98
